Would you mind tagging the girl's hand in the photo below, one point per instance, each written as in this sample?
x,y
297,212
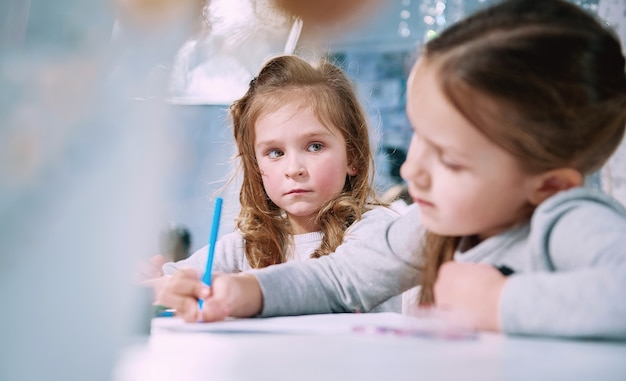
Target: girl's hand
x,y
237,295
230,295
472,291
181,291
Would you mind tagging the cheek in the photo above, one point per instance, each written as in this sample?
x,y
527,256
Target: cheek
x,y
454,194
264,168
331,176
267,177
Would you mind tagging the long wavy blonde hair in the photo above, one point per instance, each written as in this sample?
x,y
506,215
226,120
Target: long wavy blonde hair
x,y
326,90
557,76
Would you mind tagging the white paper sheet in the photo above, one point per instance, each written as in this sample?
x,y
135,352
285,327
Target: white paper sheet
x,y
327,324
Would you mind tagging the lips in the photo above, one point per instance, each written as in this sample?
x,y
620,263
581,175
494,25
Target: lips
x,y
297,191
422,202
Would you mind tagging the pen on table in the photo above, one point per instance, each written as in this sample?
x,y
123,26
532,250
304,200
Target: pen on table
x,y
206,278
161,311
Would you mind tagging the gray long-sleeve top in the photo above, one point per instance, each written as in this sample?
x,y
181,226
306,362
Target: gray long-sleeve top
x,y
569,263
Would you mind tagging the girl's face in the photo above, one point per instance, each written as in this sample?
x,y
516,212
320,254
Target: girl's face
x,y
463,183
303,164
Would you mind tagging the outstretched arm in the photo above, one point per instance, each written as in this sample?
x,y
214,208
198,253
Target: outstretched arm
x,y
376,261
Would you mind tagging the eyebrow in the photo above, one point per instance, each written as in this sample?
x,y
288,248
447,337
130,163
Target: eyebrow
x,y
310,136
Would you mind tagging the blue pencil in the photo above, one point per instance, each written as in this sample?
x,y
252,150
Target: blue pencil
x,y
217,212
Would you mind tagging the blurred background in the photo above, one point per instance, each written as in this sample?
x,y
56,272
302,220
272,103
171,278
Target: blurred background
x,y
114,128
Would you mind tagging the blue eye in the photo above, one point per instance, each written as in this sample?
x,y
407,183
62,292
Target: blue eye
x,y
274,153
315,147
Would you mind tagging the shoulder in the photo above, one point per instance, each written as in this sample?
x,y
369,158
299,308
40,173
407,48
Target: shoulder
x,y
378,211
401,231
378,215
579,227
578,203
372,222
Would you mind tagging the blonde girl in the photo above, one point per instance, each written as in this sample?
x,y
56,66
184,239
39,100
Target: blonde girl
x,y
306,192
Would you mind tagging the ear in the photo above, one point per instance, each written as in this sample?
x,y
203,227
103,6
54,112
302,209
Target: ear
x,y
549,183
352,170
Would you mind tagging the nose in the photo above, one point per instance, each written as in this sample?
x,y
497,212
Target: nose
x,y
299,172
415,168
295,168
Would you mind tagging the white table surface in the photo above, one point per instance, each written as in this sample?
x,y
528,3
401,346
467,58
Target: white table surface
x,y
333,353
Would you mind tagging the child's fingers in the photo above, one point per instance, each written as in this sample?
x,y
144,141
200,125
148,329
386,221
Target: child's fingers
x,y
186,281
222,298
214,310
184,284
157,261
188,310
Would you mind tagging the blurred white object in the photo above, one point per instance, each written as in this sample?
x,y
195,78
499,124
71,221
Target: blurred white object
x,y
216,67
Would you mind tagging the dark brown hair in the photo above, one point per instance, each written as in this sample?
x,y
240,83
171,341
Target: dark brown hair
x,y
327,91
542,79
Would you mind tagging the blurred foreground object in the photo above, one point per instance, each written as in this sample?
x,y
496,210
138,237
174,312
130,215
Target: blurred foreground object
x,y
82,190
216,65
145,38
221,44
152,15
329,13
